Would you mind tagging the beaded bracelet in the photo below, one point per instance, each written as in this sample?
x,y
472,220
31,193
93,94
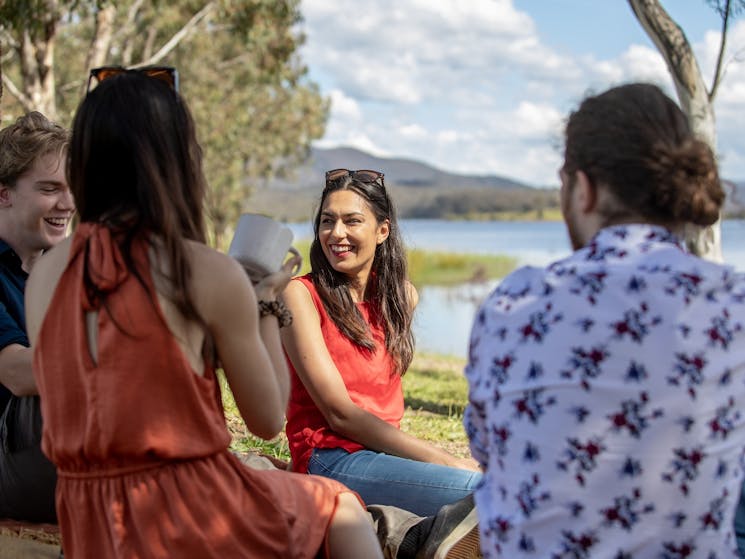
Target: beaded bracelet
x,y
278,309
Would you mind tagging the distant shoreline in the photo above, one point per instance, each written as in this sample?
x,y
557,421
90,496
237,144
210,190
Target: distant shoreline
x,y
553,214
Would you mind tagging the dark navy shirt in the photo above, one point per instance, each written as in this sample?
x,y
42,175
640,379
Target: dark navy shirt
x,y
12,313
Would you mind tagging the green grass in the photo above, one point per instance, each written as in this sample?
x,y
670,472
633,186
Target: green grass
x,y
435,394
447,268
547,214
441,268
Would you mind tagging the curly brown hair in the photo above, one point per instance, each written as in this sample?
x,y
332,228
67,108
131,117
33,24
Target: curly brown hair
x,y
636,141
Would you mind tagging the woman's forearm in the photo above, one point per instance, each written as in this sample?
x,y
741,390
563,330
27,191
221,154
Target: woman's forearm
x,y
376,434
269,332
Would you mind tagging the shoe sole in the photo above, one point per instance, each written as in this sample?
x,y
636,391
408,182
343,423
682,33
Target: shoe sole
x,y
463,542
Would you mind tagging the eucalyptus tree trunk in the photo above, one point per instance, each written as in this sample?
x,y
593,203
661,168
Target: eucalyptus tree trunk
x,y
37,70
694,99
103,32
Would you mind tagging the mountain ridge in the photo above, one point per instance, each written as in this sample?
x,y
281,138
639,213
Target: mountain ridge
x,y
421,190
398,170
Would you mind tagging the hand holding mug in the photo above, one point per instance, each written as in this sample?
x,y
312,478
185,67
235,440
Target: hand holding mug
x,y
271,286
261,244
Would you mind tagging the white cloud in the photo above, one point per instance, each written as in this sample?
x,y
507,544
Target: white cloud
x,y
470,86
729,103
413,131
642,63
533,121
345,107
413,50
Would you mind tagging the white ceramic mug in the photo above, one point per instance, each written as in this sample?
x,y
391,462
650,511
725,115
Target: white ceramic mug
x,y
261,245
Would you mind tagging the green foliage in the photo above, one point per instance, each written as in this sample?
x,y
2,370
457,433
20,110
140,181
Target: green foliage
x,y
256,110
31,15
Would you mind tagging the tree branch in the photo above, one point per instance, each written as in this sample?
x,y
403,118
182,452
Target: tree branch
x,y
101,40
24,100
122,40
670,41
716,80
6,55
178,36
8,38
134,9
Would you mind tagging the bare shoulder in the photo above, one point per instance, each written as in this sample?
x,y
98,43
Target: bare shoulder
x,y
41,283
49,266
296,287
296,294
210,266
218,282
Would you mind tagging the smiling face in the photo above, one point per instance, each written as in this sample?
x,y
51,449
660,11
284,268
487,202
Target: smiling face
x,y
349,233
37,209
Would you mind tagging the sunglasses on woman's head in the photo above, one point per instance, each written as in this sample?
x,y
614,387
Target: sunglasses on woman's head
x,y
362,175
166,74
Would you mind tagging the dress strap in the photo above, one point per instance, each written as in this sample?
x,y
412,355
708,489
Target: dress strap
x,y
104,265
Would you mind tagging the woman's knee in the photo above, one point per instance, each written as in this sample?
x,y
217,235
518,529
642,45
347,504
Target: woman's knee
x,y
350,509
351,532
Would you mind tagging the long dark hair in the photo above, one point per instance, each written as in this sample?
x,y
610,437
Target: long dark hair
x,y
391,306
135,166
635,140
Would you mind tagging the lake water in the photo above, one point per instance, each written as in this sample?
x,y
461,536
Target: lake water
x,y
443,317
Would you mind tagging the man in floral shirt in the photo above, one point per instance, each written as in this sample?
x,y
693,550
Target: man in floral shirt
x,y
607,391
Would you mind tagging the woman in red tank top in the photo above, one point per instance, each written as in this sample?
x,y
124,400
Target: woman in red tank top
x,y
348,347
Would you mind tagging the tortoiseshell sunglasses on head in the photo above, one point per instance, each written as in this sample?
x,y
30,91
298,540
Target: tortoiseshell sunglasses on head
x,y
166,74
364,175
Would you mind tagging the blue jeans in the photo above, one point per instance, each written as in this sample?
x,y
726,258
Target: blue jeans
x,y
382,479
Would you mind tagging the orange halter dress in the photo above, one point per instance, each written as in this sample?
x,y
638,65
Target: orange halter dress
x,y
139,439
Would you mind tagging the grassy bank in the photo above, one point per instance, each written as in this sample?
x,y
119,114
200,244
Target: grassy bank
x,y
448,268
539,214
435,394
441,268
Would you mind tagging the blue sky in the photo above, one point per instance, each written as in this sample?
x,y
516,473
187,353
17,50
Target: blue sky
x,y
483,86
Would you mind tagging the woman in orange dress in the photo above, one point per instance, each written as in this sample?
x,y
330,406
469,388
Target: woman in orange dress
x,y
129,319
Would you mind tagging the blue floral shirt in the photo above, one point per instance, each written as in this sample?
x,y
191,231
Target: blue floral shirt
x,y
607,395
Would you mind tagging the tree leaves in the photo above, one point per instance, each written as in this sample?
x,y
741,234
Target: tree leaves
x,y
255,109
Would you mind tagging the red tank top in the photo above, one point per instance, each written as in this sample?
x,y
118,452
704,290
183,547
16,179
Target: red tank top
x,y
371,382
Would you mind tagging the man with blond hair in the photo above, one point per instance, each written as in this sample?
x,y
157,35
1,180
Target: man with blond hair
x,y
35,209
